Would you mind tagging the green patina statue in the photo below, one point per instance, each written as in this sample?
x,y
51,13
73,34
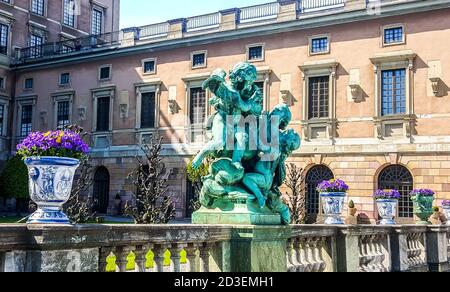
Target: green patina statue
x,y
249,146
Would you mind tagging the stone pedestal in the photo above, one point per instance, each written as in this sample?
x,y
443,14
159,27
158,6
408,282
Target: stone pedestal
x,y
258,248
236,214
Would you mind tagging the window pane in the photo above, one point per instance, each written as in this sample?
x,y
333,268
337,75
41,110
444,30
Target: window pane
x,y
36,46
29,83
105,73
69,12
393,35
103,113
255,53
148,110
26,120
64,79
149,66
319,45
393,95
4,34
2,117
198,60
318,97
63,114
198,106
97,16
37,6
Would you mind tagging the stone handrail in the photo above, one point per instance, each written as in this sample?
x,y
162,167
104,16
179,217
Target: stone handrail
x,y
204,248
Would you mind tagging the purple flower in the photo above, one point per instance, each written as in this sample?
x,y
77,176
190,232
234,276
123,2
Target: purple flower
x,y
423,193
387,194
446,203
332,186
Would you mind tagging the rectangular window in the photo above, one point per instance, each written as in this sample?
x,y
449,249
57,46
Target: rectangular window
x,y
255,53
103,104
97,22
29,83
63,114
198,60
393,35
36,46
2,118
148,110
149,67
64,79
105,73
37,6
69,13
319,45
26,120
198,106
2,83
319,97
4,36
393,96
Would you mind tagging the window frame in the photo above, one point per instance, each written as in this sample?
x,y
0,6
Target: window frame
x,y
21,102
102,20
100,72
263,52
99,93
316,37
62,97
393,26
8,36
68,84
143,66
25,84
205,64
4,128
75,18
44,8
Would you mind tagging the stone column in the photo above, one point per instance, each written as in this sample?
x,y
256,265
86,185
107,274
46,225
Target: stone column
x,y
288,10
437,250
130,36
177,28
229,18
347,247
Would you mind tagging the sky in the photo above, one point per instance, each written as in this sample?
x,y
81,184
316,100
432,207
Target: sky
x,y
143,12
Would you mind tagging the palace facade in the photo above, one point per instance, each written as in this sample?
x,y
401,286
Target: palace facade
x,y
367,83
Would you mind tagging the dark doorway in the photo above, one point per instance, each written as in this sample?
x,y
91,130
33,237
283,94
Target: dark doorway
x,y
101,190
399,178
315,176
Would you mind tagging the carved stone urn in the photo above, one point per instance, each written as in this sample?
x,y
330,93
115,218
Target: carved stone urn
x,y
333,204
423,208
50,183
387,209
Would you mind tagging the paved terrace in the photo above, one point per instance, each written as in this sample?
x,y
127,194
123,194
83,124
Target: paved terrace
x,y
274,17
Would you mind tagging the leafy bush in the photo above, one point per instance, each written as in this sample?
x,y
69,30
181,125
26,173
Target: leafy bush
x,y
195,177
14,179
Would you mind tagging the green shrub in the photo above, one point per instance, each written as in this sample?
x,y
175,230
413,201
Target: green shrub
x,y
14,179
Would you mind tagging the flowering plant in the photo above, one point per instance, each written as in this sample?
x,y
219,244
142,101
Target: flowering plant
x,y
67,143
387,195
446,203
422,192
332,186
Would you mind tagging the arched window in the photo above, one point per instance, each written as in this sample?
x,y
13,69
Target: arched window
x,y
101,190
399,178
315,176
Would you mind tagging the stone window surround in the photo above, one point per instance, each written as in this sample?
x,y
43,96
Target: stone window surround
x,y
3,88
382,35
21,101
319,36
110,92
143,61
389,61
317,69
75,18
5,102
60,97
205,52
247,52
25,82
70,79
5,20
193,81
99,72
145,87
97,6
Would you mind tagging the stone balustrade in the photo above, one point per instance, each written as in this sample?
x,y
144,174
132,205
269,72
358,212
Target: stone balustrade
x,y
198,248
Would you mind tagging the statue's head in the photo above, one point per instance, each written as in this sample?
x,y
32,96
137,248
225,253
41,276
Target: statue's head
x,y
243,75
289,141
284,114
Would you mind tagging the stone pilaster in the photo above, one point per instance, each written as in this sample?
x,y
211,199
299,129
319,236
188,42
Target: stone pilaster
x,y
288,10
437,252
129,36
229,18
177,27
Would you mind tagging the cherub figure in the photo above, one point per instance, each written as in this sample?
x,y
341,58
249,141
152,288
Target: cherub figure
x,y
237,99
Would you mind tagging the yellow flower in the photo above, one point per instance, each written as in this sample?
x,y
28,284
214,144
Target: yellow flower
x,y
58,140
47,134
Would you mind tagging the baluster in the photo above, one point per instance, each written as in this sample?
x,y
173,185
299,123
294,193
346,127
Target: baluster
x,y
312,251
320,247
191,255
364,261
175,255
205,249
141,257
290,256
105,252
122,257
159,251
302,255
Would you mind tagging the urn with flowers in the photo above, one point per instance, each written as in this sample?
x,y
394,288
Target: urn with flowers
x,y
446,208
387,201
52,159
423,204
332,194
